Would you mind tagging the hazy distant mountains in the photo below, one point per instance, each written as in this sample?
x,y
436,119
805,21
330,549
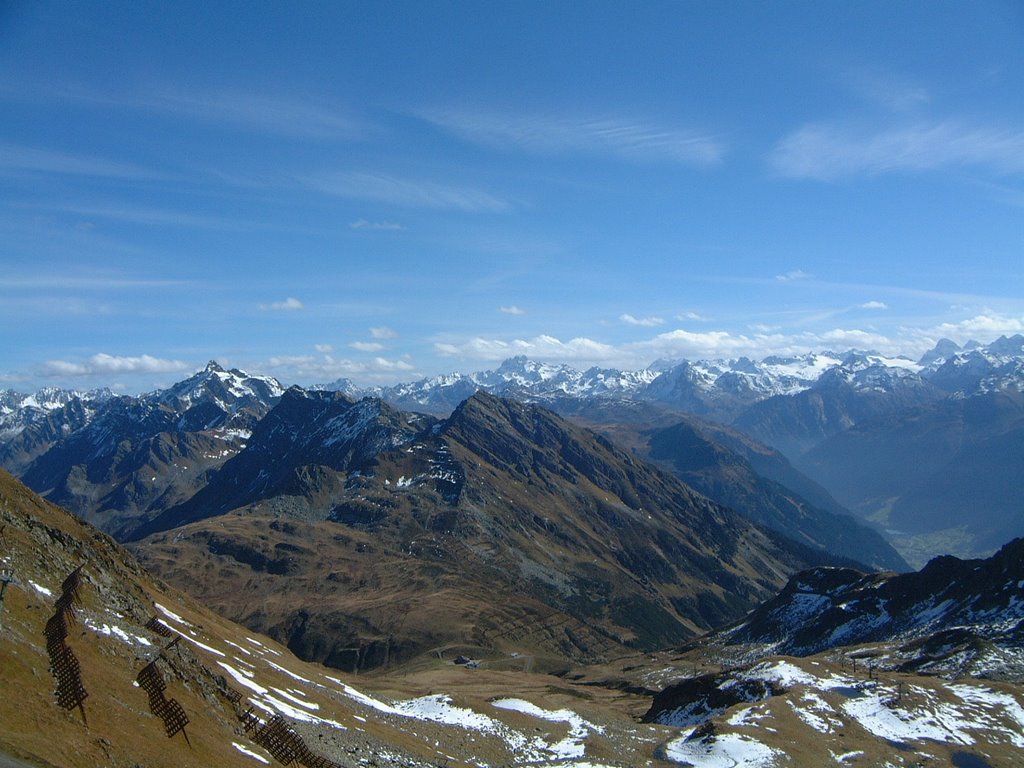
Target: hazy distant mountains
x,y
725,390
715,388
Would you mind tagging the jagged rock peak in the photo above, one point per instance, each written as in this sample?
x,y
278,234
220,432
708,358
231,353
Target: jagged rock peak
x,y
943,348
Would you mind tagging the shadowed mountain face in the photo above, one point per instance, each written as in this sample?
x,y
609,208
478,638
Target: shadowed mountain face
x,y
747,476
29,426
842,397
724,475
299,456
504,524
931,456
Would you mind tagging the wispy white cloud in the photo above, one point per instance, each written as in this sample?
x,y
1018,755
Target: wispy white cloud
x,y
512,310
103,363
87,283
540,347
383,332
146,215
323,348
644,321
291,304
281,115
20,159
828,151
695,316
376,226
874,305
366,346
287,116
629,138
412,193
323,368
794,274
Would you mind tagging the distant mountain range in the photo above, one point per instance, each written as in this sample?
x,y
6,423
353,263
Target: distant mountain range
x,y
504,522
119,460
725,389
908,445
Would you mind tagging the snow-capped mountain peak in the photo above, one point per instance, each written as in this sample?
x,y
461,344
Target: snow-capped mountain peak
x,y
228,389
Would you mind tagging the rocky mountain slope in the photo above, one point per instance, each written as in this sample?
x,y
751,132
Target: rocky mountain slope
x,y
502,526
834,415
29,424
297,457
70,657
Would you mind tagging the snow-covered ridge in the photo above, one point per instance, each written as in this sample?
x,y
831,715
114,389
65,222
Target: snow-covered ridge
x,y
19,411
952,616
228,389
740,381
214,398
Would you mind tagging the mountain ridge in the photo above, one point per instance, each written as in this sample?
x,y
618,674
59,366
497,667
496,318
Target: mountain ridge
x,y
504,501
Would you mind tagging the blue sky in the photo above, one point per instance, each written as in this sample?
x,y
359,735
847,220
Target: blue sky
x,y
381,190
